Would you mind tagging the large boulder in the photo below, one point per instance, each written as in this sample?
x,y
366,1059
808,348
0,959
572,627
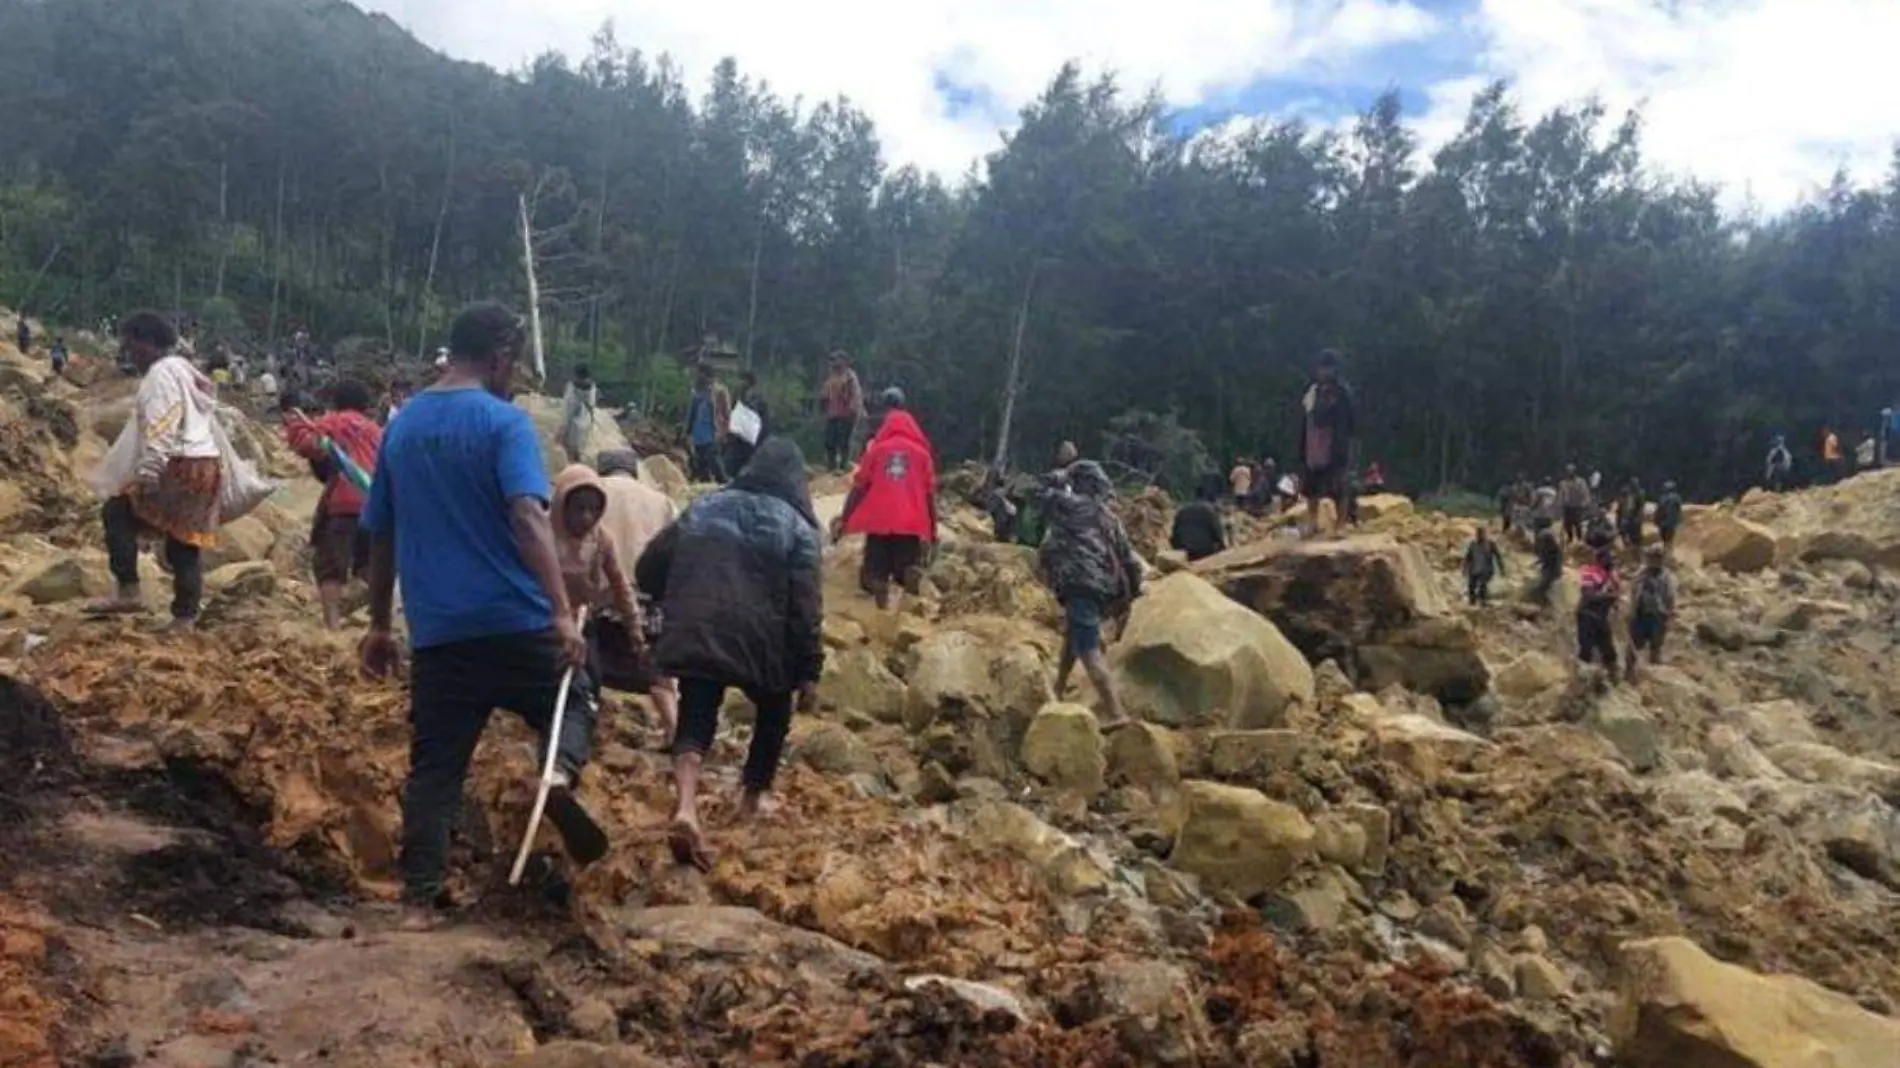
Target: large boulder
x,y
602,436
664,475
1192,657
1370,602
1064,748
55,582
1384,506
856,680
1727,541
1771,723
241,541
1145,756
1427,747
1236,839
1530,675
1852,827
1681,1008
1627,727
1009,828
1813,762
951,680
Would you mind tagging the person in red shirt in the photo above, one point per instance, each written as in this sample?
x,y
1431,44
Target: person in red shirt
x,y
337,549
893,501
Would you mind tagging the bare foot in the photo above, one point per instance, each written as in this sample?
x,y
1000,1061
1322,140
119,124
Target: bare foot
x,y
688,844
757,807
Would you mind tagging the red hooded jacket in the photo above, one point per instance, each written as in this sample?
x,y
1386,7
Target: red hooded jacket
x,y
356,434
896,481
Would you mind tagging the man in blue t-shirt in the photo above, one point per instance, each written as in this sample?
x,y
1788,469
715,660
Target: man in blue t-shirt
x,y
459,510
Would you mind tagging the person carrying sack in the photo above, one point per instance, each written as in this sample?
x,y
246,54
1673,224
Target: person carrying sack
x,y
164,474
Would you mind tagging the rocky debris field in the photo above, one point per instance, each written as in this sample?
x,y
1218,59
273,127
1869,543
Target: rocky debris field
x,y
1357,825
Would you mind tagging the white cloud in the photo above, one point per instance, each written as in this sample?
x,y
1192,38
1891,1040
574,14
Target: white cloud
x,y
886,56
1766,97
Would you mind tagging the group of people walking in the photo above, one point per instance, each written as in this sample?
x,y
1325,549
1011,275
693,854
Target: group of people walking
x,y
1573,512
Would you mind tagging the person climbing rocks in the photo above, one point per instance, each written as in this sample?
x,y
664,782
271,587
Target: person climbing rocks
x,y
1199,532
339,551
1780,465
893,502
1089,563
1654,609
750,398
636,513
595,574
1669,514
1550,561
1328,422
708,421
1599,531
169,486
1573,497
1544,503
1598,589
842,398
399,393
1833,459
24,335
1629,513
1266,479
738,584
1484,559
1240,481
578,403
459,512
59,356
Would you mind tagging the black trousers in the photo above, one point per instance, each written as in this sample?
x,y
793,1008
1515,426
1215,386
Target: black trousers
x,y
699,723
1573,523
122,557
1478,588
1596,641
452,691
708,464
838,431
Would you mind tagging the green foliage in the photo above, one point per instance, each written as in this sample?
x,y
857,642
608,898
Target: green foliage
x,y
1527,296
1159,448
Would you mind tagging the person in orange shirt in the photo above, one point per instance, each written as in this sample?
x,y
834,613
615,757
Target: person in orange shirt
x,y
1833,460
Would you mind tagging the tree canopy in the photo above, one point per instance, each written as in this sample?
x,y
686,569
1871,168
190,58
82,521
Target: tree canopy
x,y
1527,294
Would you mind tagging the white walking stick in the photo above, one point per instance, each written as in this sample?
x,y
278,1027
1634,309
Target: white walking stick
x,y
547,768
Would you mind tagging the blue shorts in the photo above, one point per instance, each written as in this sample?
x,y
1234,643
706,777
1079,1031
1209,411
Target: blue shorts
x,y
1084,621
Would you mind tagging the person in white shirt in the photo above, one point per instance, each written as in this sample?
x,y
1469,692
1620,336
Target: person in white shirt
x,y
173,483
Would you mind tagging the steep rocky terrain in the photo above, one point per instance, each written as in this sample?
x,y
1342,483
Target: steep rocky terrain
x,y
1358,825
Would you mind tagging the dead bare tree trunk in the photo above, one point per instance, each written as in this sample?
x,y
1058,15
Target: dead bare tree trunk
x,y
224,227
45,265
435,246
534,289
277,257
1014,385
752,301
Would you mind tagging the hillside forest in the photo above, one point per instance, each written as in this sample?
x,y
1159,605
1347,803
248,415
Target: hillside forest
x,y
1527,294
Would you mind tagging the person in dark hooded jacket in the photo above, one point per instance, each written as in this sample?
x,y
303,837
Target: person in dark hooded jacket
x,y
1199,531
1090,564
738,584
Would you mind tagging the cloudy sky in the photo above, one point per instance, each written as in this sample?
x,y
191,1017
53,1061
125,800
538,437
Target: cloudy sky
x,y
1766,97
